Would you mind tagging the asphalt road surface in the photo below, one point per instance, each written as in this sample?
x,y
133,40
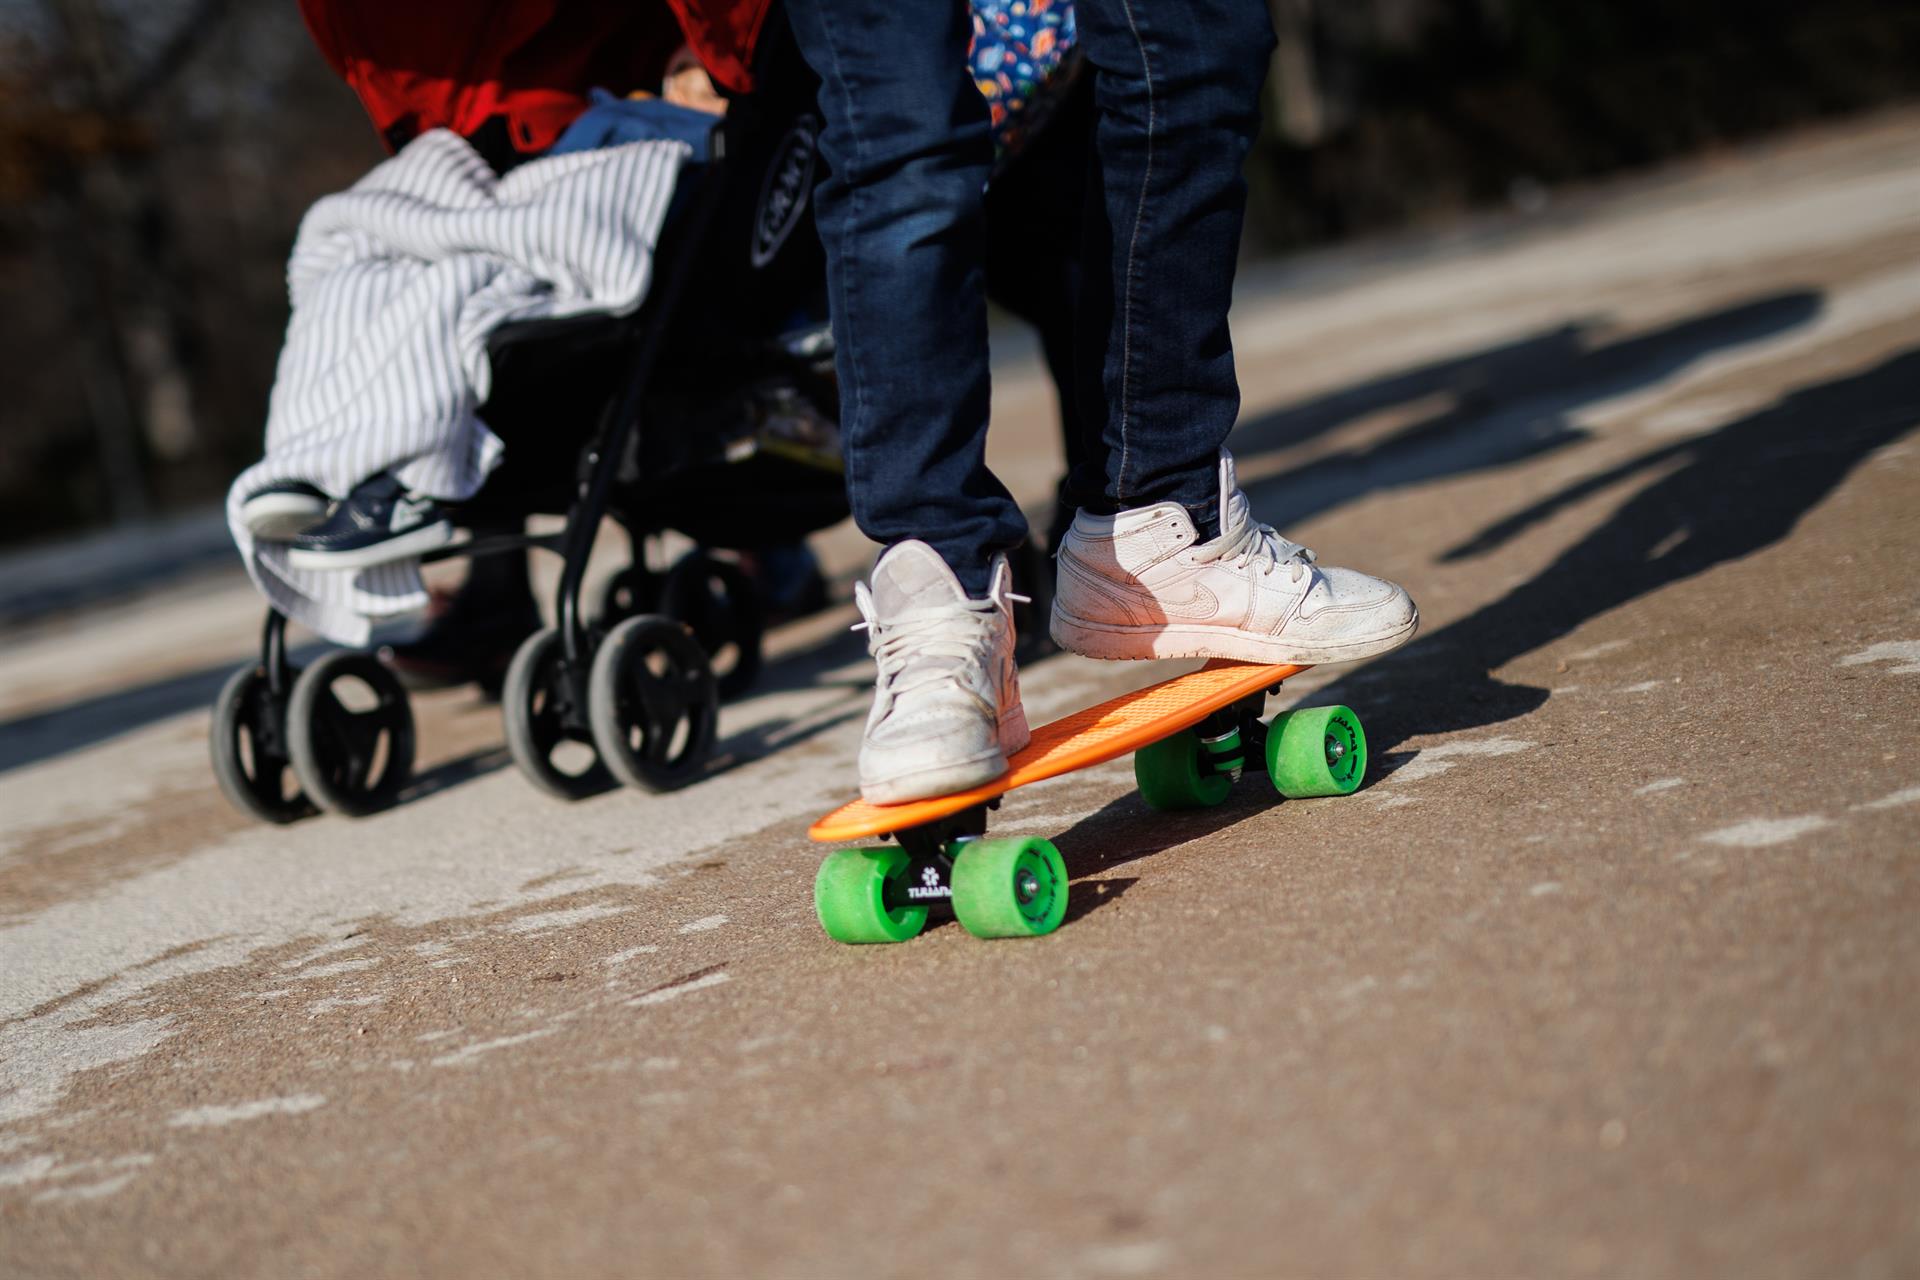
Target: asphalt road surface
x,y
1611,969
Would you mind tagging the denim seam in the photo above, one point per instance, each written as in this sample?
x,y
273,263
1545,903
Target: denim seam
x,y
848,282
1133,245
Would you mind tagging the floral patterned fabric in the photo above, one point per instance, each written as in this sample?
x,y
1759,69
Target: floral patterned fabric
x,y
1023,61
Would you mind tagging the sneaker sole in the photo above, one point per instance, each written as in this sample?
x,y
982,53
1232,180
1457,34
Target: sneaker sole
x,y
1140,643
405,547
275,517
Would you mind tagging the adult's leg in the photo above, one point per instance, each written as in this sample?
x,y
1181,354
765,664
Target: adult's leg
x,y
1177,84
907,144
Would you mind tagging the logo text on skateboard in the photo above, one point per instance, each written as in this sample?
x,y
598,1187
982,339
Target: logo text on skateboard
x,y
929,886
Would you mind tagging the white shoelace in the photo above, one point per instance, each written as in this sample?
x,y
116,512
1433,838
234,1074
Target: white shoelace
x,y
1246,541
924,646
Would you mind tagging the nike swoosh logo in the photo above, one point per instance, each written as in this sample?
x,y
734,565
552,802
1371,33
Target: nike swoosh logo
x,y
407,513
1202,603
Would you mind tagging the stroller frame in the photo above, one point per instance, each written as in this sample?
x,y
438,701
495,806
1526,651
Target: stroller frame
x,y
642,694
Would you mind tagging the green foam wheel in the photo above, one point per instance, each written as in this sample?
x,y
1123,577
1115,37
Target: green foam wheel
x,y
1316,751
1171,775
850,896
1009,888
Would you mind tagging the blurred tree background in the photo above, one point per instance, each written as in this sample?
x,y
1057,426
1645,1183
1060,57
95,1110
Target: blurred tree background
x,y
1388,111
155,159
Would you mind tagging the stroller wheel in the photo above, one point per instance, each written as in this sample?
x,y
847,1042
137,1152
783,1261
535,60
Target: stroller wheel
x,y
547,739
720,603
249,740
635,589
350,733
653,703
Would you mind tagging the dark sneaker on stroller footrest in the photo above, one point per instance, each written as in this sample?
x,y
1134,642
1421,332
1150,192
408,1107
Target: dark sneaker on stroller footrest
x,y
378,523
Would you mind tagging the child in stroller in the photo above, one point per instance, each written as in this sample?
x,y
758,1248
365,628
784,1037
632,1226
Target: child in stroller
x,y
602,417
749,467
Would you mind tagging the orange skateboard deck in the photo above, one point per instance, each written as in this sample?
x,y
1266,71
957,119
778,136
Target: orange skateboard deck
x,y
1086,738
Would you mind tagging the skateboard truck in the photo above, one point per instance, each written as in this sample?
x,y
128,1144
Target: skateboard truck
x,y
1224,736
930,850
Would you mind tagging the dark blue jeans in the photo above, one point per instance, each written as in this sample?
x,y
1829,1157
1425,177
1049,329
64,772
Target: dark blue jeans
x,y
1177,84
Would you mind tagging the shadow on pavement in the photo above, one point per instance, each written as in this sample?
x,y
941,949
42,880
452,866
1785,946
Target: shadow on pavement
x,y
46,734
1715,498
1116,834
774,736
1090,895
452,773
1511,403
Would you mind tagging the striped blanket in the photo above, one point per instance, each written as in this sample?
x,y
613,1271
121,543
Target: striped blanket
x,y
396,284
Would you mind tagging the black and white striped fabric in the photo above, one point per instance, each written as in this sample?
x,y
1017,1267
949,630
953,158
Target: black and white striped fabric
x,y
395,285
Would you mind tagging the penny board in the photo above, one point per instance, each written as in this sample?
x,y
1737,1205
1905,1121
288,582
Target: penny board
x,y
1114,728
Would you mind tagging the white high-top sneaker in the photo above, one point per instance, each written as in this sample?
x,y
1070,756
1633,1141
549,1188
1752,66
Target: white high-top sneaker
x,y
1140,585
946,709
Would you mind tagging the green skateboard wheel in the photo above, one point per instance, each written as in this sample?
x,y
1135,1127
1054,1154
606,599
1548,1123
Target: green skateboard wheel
x,y
850,897
1009,888
1316,751
1170,774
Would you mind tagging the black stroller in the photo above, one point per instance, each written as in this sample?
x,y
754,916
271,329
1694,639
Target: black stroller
x,y
676,418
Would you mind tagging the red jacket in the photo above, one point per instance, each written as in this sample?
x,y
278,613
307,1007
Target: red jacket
x,y
455,64
723,33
